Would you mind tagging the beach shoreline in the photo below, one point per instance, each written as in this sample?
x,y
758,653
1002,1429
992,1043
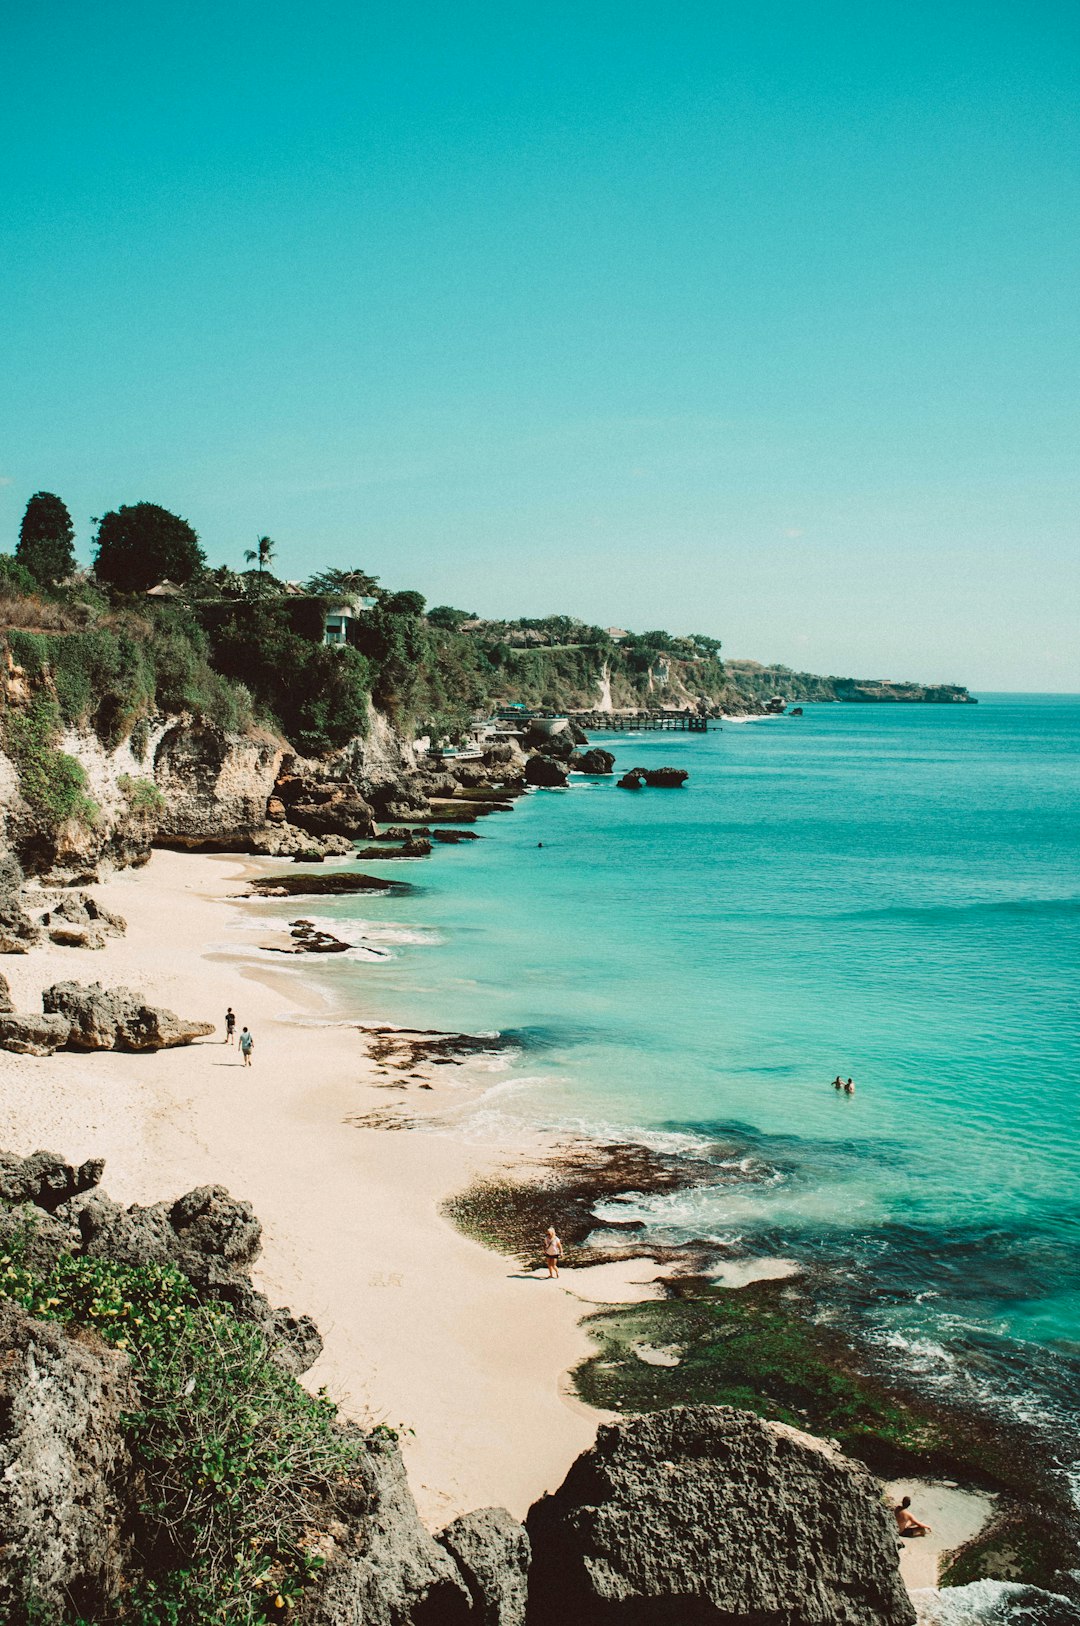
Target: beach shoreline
x,y
433,1319
425,1328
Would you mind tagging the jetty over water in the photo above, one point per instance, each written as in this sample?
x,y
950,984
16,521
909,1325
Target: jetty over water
x,y
610,722
641,722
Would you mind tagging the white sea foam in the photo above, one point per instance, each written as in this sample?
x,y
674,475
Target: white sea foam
x,y
992,1603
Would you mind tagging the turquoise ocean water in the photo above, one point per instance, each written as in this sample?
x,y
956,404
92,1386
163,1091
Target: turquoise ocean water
x,y
887,892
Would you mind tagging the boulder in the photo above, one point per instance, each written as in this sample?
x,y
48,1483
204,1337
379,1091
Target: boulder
x,y
64,1468
33,1035
81,911
380,1566
594,760
6,1002
215,786
545,771
660,778
118,1019
699,1516
491,1549
343,816
18,933
45,1180
213,1238
37,1237
454,836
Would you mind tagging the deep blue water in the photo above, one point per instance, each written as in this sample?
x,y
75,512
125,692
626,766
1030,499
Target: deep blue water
x,y
887,892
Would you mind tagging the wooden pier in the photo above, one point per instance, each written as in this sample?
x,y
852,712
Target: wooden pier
x,y
642,722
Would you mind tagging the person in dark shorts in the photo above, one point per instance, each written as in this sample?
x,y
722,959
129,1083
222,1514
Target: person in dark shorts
x,y
230,1025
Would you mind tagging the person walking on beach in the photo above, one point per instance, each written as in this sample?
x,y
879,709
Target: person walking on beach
x,y
230,1025
247,1045
552,1252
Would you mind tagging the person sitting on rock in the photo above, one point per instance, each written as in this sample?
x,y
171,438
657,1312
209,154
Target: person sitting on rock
x,y
906,1522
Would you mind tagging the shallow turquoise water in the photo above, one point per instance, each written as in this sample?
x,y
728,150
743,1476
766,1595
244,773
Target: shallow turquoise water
x,y
890,893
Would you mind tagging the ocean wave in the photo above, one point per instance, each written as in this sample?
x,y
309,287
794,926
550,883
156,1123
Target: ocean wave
x,y
993,1603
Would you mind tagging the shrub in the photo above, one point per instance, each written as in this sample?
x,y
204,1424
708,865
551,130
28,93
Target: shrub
x,y
232,1456
51,782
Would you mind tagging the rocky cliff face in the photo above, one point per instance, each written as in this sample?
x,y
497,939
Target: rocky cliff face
x,y
214,786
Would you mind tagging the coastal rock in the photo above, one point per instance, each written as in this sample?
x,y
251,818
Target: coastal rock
x,y
453,836
491,1549
408,849
18,933
45,1179
39,1238
292,886
33,1035
215,786
118,1019
212,1237
699,1515
545,771
380,1566
343,816
79,914
64,1469
660,778
404,832
289,841
6,1001
593,761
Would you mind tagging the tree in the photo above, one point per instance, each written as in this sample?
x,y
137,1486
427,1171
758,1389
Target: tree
x,y
444,615
407,603
140,544
261,553
46,536
342,584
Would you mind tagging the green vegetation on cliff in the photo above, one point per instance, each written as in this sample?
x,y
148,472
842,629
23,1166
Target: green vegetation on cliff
x,y
230,1454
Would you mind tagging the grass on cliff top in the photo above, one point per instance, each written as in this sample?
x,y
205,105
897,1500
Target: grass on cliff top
x,y
232,1456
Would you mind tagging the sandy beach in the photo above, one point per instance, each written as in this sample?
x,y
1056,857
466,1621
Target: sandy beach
x,y
423,1327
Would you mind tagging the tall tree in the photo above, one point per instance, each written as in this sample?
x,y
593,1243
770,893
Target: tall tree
x,y
46,536
141,544
261,553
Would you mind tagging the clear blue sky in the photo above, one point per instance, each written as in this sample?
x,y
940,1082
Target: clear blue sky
x,y
745,318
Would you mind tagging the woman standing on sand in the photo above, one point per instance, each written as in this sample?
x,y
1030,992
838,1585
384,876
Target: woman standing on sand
x,y
552,1252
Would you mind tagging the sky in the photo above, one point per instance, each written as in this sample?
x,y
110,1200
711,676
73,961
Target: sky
x,y
747,318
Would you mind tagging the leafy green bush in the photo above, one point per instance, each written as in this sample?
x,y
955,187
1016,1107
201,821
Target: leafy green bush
x,y
51,782
142,796
232,1456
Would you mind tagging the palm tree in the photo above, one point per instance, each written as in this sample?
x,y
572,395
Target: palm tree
x,y
261,553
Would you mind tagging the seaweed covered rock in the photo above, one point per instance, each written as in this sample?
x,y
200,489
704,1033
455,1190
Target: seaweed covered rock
x,y
64,1470
707,1516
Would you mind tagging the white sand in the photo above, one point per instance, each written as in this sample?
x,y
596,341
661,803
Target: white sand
x,y
955,1517
623,1281
737,1273
422,1326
